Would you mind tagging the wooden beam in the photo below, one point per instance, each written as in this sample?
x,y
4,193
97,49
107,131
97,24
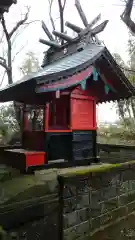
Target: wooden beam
x,y
50,43
63,36
46,30
81,13
95,30
99,28
94,21
74,27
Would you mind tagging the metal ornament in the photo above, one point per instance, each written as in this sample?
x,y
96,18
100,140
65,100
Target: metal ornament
x,y
95,74
107,89
83,84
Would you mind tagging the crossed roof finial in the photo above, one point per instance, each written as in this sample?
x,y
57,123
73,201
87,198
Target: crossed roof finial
x,y
80,31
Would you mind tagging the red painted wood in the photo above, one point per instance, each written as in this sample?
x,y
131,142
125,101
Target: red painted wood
x,y
25,121
59,114
33,140
68,82
83,110
77,96
46,116
59,130
82,114
35,159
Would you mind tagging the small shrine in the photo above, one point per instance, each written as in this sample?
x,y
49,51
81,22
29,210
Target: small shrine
x,y
58,103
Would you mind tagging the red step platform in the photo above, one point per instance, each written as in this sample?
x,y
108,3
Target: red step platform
x,y
23,159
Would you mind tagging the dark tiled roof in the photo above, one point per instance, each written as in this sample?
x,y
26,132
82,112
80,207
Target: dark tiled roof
x,y
70,65
72,62
64,66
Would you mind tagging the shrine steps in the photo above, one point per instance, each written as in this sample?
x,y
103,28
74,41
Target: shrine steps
x,y
23,159
28,161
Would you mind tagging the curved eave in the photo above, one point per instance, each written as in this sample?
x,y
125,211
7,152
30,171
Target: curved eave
x,y
67,69
71,81
119,72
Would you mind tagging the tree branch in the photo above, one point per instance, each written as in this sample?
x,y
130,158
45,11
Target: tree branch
x,y
50,13
20,23
18,52
3,63
5,28
25,25
3,77
61,10
61,16
64,5
126,16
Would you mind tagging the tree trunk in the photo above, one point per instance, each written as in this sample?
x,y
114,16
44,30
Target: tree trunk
x,y
10,78
133,107
126,16
61,10
128,108
121,112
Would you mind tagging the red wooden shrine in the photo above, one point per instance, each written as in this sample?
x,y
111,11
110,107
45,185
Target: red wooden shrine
x,y
58,104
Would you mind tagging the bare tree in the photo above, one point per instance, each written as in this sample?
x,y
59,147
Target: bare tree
x,y
6,63
6,60
61,5
126,15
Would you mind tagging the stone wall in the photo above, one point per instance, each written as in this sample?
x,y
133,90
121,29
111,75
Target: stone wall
x,y
94,201
31,220
86,202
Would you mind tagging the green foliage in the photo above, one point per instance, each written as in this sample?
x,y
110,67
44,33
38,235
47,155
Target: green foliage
x,y
8,123
9,114
126,108
30,64
119,60
121,132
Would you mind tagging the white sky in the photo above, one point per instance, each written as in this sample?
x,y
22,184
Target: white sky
x,y
115,35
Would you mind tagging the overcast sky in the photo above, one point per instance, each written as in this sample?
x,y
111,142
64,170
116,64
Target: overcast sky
x,y
115,35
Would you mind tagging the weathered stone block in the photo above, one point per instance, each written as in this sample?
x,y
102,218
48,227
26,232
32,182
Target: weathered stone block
x,y
83,186
83,215
95,223
105,219
131,207
70,219
69,205
123,199
95,197
82,201
118,213
76,217
110,205
132,184
78,231
95,212
131,196
109,192
70,233
83,229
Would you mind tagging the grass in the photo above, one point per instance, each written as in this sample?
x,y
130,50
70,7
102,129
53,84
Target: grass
x,y
117,141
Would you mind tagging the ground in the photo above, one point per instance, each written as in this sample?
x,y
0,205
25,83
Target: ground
x,y
15,187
